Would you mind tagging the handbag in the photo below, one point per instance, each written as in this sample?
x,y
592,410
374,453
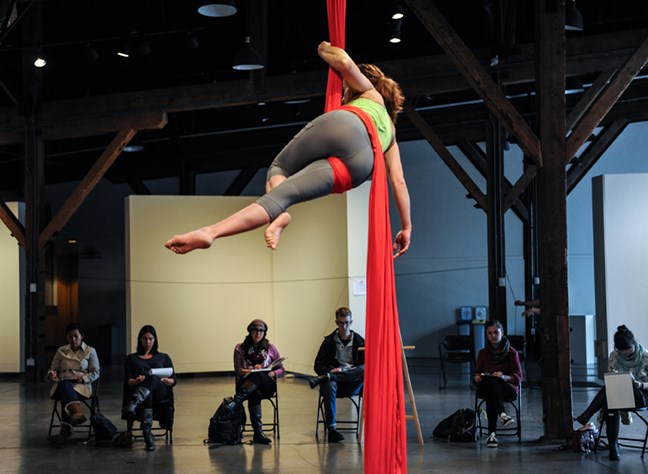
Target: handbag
x,y
583,439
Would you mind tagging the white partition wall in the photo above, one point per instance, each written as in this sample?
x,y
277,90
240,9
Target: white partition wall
x,y
10,299
201,303
620,258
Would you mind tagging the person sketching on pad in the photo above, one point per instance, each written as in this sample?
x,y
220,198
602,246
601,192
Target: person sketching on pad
x,y
628,356
302,171
253,382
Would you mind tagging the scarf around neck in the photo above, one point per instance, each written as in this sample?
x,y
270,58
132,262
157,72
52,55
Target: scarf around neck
x,y
632,362
501,354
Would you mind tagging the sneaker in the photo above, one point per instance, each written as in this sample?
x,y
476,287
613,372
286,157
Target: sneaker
x,y
506,420
334,436
491,442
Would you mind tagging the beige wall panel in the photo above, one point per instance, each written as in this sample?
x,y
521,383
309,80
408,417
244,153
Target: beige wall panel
x,y
10,338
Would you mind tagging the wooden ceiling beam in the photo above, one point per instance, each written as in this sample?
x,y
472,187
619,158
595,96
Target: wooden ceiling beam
x,y
430,75
476,76
13,224
608,98
446,156
588,158
86,185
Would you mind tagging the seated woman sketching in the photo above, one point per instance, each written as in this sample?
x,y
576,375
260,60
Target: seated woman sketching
x,y
498,377
74,367
628,356
144,391
253,383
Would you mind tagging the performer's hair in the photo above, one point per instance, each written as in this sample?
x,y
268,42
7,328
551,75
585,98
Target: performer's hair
x,y
386,87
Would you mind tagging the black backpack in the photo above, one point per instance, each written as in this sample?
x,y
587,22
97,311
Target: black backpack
x,y
104,429
460,426
226,427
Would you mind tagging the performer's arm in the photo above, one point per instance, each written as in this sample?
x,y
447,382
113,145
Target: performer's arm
x,y
339,60
401,196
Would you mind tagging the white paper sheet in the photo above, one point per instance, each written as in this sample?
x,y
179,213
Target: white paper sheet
x,y
618,390
165,372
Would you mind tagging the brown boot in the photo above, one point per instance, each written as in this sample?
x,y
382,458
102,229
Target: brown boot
x,y
77,417
62,436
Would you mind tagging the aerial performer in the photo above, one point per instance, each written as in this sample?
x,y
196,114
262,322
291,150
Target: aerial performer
x,y
333,153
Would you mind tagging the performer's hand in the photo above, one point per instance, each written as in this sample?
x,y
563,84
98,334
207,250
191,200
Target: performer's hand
x,y
401,242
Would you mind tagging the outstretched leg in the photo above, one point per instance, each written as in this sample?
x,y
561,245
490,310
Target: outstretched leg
x,y
248,218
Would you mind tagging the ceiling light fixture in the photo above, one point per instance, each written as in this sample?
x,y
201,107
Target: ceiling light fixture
x,y
398,11
395,33
248,58
39,59
124,50
573,18
219,9
134,145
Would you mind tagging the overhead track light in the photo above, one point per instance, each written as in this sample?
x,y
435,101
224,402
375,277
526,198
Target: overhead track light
x,y
124,50
573,18
248,58
39,59
218,9
398,11
395,33
134,145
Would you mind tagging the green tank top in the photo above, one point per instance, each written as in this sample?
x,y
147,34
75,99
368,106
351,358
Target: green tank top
x,y
380,118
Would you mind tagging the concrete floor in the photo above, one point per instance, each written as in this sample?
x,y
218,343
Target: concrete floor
x,y
25,412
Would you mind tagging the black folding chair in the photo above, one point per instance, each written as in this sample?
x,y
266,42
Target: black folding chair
x,y
92,404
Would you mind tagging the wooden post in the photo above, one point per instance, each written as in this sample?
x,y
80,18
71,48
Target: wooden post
x,y
552,220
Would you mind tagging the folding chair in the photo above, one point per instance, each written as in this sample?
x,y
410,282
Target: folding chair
x,y
519,344
351,424
637,443
515,430
92,404
456,350
269,426
164,414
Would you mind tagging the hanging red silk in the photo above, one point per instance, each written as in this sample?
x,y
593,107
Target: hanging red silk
x,y
385,449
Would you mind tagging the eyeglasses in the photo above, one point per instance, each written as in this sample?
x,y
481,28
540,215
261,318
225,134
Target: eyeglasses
x,y
257,329
343,323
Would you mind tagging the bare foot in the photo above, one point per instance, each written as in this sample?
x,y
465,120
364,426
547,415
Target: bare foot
x,y
274,230
185,243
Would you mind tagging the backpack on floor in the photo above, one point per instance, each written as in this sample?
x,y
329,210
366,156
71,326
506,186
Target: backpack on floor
x,y
226,427
460,426
583,439
104,429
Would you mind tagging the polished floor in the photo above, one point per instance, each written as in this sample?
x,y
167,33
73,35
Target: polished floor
x,y
25,412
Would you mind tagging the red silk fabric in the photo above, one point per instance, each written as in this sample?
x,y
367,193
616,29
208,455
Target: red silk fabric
x,y
385,449
384,395
341,176
337,19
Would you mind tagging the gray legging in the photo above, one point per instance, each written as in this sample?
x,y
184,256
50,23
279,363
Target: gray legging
x,y
304,161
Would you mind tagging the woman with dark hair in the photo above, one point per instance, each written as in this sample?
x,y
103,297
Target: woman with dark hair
x,y
74,367
252,383
628,356
305,169
144,390
498,377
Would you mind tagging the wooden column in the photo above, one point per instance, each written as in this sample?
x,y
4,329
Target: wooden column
x,y
495,218
552,220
